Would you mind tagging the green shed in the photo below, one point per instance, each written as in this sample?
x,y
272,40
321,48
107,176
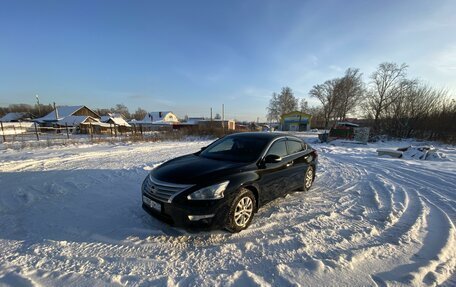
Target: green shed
x,y
295,121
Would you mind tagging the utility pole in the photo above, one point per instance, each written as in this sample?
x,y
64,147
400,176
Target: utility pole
x,y
223,118
56,113
38,103
211,119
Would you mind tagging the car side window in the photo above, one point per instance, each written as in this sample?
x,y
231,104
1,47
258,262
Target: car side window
x,y
294,146
278,148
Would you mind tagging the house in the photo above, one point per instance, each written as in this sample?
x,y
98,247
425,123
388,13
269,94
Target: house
x,y
60,113
117,121
295,121
160,118
73,121
81,124
157,121
15,117
77,118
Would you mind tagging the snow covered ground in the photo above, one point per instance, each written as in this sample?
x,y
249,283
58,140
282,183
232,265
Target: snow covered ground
x,y
71,216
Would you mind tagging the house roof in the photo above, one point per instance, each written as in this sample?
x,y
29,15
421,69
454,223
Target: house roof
x,y
62,112
12,117
116,119
72,120
155,117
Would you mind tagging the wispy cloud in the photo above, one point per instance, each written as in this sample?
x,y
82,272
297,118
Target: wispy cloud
x,y
336,68
137,97
445,60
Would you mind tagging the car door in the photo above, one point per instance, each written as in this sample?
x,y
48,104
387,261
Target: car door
x,y
297,155
274,176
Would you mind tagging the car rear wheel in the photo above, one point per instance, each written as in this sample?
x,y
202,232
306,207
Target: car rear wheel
x,y
309,177
241,211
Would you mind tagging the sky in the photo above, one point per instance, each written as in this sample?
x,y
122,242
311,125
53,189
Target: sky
x,y
189,56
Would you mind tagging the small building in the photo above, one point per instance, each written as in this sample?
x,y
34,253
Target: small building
x,y
118,121
295,121
81,124
73,121
60,113
348,131
15,117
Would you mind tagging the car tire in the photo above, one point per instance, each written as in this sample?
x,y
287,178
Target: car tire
x,y
241,211
309,177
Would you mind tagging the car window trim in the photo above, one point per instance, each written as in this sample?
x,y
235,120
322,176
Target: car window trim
x,y
295,140
270,144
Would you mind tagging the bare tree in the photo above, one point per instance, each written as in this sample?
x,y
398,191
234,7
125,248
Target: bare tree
x,y
282,103
384,89
326,94
103,111
287,101
139,114
34,111
318,119
121,109
304,106
273,108
409,114
349,92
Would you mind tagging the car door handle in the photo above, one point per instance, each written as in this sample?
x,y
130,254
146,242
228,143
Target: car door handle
x,y
289,164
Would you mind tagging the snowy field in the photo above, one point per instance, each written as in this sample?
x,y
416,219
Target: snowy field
x,y
71,216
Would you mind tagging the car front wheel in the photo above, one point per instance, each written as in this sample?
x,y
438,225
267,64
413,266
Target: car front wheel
x,y
309,177
241,211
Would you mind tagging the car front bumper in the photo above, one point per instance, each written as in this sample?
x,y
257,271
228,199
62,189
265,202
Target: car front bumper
x,y
204,214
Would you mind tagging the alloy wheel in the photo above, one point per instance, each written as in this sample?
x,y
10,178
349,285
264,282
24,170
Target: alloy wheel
x,y
243,211
309,178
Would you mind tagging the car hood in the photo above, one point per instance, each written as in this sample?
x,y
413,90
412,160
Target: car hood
x,y
191,169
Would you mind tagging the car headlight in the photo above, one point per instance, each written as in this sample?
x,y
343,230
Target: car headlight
x,y
210,192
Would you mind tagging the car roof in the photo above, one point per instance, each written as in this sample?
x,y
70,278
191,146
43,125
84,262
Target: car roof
x,y
262,135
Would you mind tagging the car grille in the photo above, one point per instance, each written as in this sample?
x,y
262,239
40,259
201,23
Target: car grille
x,y
163,191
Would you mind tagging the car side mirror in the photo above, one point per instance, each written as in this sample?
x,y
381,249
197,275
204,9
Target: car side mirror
x,y
272,158
203,148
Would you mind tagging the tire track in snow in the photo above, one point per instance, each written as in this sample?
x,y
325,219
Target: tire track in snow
x,y
307,238
410,220
435,261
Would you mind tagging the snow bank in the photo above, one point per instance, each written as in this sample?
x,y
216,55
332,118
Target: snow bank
x,y
423,153
71,216
414,153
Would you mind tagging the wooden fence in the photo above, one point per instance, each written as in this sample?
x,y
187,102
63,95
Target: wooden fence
x,y
30,131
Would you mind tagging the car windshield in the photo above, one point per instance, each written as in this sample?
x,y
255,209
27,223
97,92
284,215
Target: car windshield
x,y
238,149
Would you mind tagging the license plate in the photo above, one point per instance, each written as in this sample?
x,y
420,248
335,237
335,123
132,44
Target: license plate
x,y
153,204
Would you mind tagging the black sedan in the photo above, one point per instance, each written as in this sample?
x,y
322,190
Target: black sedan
x,y
225,183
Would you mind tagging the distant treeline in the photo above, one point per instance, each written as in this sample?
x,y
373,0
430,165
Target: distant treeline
x,y
390,103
